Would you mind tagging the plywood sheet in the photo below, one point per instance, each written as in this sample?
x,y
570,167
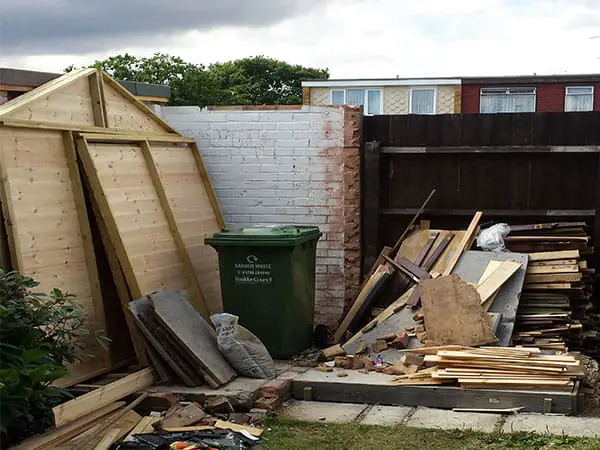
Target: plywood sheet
x,y
196,212
453,313
68,104
124,112
47,236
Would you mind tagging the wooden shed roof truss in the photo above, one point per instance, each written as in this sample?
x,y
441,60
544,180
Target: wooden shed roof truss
x,y
90,100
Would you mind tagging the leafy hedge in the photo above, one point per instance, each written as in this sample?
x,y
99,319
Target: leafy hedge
x,y
39,336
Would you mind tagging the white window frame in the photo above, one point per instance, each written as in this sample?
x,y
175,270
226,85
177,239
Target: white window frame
x,y
366,105
507,90
424,88
580,87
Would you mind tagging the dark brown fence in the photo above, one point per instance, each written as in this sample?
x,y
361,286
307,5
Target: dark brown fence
x,y
517,168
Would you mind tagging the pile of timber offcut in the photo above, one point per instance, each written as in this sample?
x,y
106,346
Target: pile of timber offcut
x,y
556,303
498,367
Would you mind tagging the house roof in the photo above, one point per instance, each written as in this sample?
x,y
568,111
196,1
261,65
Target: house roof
x,y
533,79
381,82
25,80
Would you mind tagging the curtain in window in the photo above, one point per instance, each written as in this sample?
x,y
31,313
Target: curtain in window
x,y
579,102
374,103
507,103
422,101
337,97
355,97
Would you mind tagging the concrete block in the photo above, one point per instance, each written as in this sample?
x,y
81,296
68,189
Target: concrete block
x,y
385,415
322,412
449,420
555,425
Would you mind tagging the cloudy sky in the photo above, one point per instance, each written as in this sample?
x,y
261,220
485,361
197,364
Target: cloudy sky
x,y
353,38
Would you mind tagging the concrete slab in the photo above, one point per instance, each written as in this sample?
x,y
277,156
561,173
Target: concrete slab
x,y
386,415
322,412
450,420
556,425
378,389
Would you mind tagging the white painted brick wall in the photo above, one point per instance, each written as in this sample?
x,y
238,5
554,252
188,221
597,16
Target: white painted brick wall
x,y
283,167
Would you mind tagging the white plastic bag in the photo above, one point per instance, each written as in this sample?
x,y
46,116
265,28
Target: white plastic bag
x,y
492,239
244,351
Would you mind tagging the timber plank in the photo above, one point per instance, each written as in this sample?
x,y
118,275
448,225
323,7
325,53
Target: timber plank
x,y
465,243
494,282
56,436
105,395
549,256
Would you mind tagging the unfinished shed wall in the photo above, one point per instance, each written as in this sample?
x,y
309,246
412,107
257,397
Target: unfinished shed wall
x,y
289,167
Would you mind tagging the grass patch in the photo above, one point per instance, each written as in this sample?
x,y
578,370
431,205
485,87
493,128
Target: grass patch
x,y
292,435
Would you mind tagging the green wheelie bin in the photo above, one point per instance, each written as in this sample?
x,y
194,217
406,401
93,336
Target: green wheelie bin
x,y
268,281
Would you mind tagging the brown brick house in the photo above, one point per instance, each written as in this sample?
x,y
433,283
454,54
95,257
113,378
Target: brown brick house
x,y
548,93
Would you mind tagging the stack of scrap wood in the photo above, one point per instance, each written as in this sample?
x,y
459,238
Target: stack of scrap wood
x,y
401,267
556,305
99,416
498,367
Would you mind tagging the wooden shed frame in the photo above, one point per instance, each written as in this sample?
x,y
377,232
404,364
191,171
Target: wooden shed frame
x,y
71,112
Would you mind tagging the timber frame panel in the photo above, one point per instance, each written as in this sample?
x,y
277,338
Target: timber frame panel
x,y
80,107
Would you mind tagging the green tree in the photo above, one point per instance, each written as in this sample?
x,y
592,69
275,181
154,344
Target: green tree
x,y
263,81
252,81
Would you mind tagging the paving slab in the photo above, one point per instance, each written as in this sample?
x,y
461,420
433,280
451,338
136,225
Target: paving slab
x,y
450,420
556,425
386,415
322,412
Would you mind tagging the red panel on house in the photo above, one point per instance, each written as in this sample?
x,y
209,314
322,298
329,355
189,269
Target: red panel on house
x,y
470,98
550,97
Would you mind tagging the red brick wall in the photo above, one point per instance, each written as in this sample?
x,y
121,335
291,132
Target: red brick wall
x,y
550,97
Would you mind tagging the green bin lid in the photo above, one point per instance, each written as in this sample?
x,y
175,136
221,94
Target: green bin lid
x,y
265,235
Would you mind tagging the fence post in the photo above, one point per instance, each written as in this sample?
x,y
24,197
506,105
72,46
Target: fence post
x,y
370,211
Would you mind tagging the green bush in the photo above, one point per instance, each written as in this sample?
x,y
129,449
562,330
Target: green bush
x,y
39,336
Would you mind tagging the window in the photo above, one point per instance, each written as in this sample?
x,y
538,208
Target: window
x,y
579,98
338,97
422,101
370,99
507,100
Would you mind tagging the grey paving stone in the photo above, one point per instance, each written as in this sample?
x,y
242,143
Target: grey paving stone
x,y
385,415
321,411
556,425
450,420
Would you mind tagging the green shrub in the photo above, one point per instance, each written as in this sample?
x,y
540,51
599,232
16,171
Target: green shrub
x,y
39,336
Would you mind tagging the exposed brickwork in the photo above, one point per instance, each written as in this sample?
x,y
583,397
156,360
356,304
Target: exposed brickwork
x,y
291,167
352,127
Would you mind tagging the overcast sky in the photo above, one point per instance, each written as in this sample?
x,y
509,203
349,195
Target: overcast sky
x,y
353,38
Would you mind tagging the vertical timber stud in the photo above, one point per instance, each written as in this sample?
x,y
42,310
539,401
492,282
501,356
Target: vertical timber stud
x,y
86,234
98,104
207,184
194,286
371,186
